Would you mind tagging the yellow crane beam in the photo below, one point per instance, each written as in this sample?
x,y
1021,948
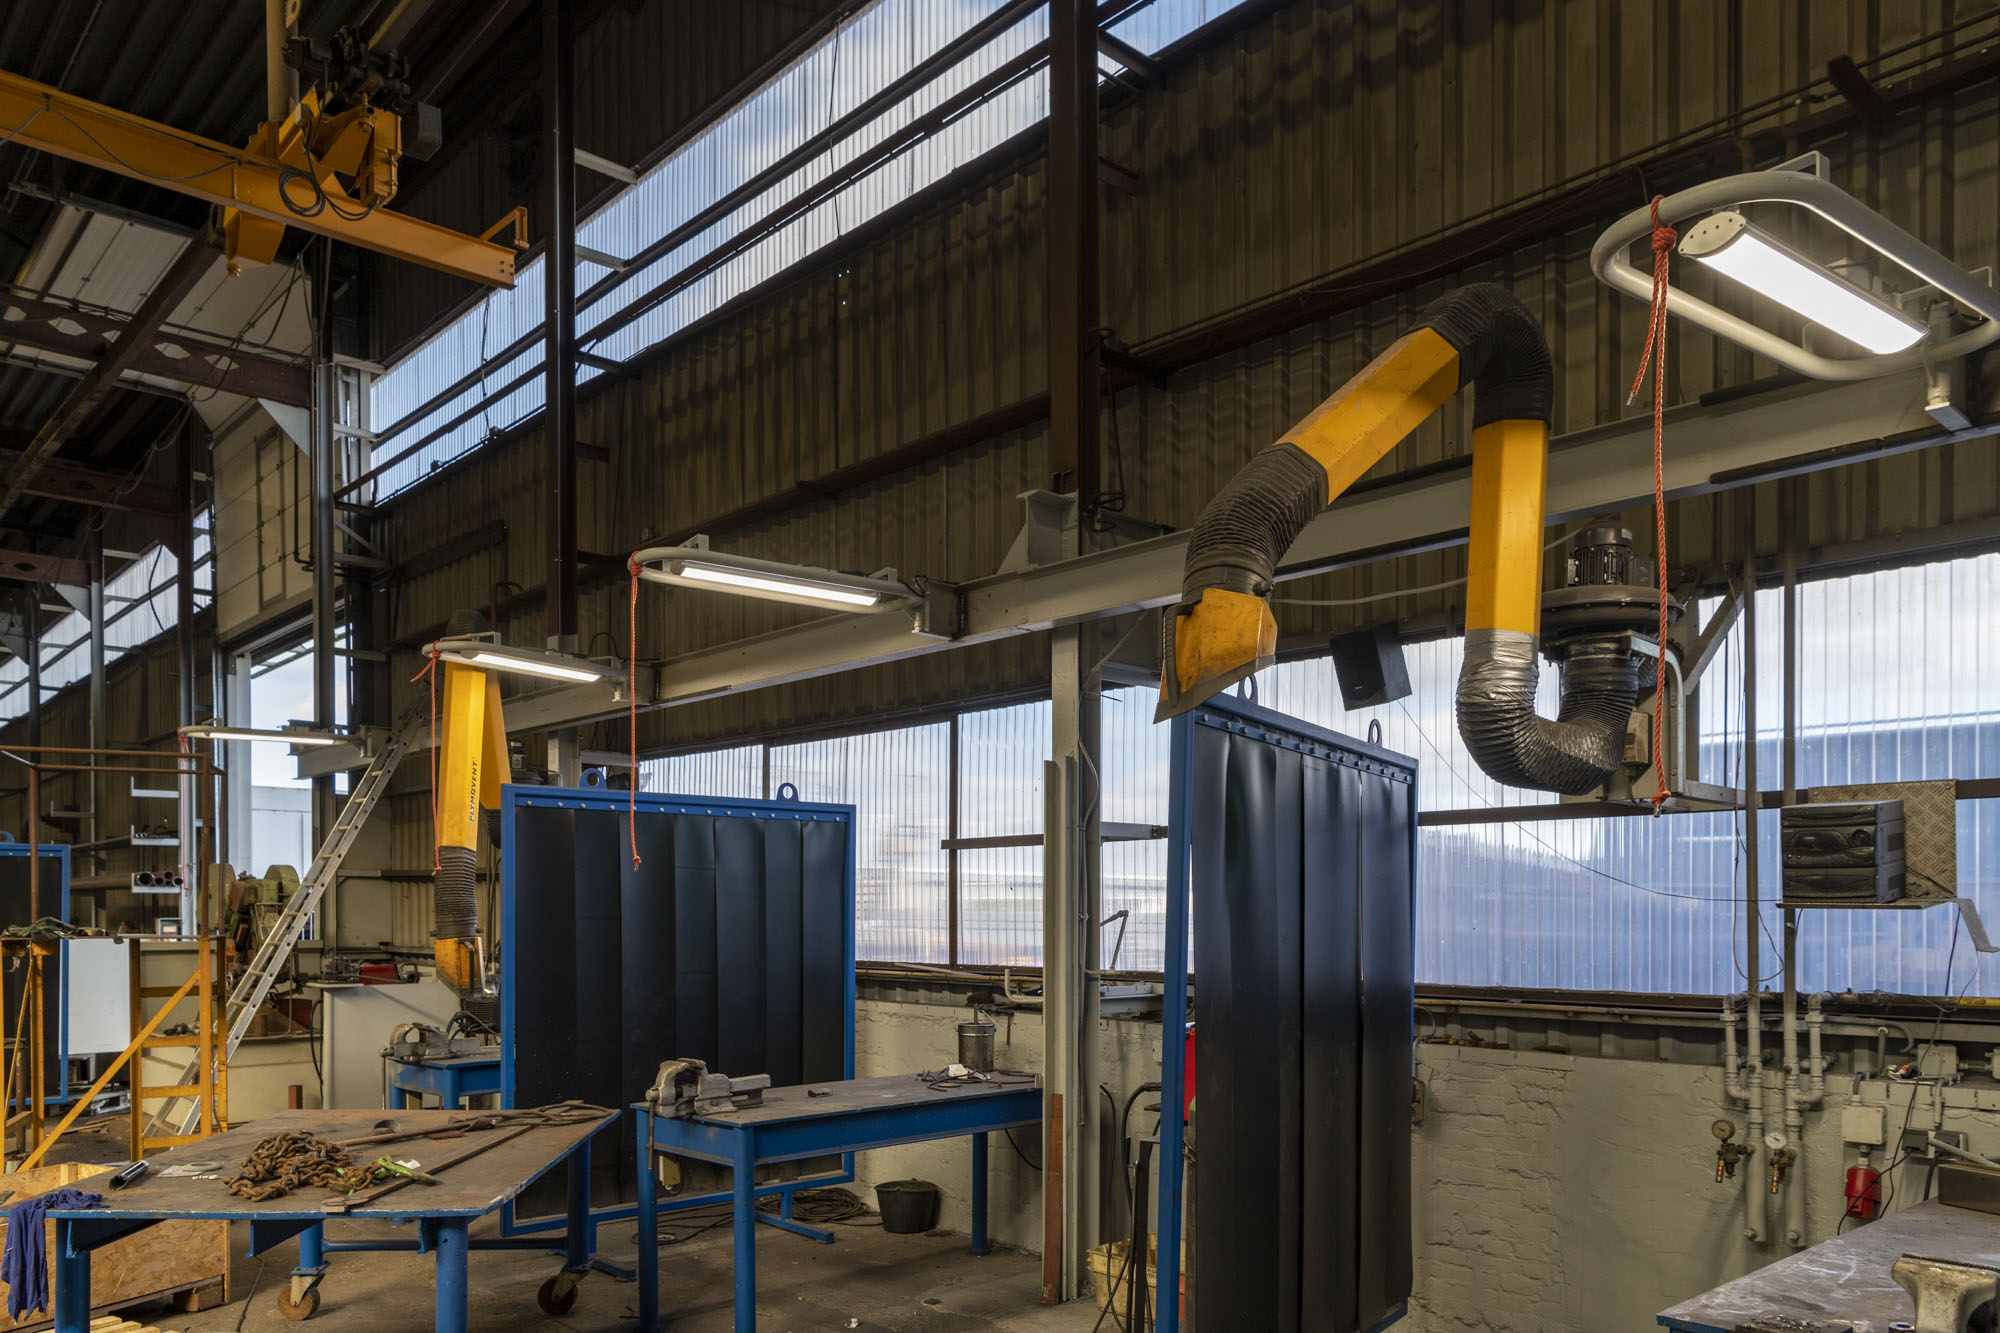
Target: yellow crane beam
x,y
38,116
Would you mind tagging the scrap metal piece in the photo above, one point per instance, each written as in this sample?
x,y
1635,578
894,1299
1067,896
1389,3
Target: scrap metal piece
x,y
1948,1293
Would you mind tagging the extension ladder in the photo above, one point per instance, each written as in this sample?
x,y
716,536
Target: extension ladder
x,y
249,993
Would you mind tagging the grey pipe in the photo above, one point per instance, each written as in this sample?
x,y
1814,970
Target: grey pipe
x,y
1573,753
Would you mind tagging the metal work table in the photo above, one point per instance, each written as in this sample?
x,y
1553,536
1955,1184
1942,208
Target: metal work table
x,y
443,1212
1846,1278
817,1120
449,1078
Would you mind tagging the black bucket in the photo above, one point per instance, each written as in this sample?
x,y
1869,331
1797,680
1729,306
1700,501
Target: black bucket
x,y
907,1206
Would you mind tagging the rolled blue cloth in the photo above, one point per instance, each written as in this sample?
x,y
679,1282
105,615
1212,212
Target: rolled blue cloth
x,y
24,1264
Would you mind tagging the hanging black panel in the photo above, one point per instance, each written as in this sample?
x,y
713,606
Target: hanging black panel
x,y
730,943
1301,868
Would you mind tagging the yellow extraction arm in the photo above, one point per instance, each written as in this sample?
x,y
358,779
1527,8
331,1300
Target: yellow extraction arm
x,y
1223,629
472,764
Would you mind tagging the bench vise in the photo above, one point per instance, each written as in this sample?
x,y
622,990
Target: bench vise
x,y
685,1088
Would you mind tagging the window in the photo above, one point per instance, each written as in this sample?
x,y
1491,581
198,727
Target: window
x,y
436,415
140,604
1895,686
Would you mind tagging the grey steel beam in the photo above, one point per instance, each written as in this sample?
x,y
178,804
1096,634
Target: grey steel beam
x,y
1785,432
96,487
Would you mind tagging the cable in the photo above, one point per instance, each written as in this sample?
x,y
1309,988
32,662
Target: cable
x,y
1026,1161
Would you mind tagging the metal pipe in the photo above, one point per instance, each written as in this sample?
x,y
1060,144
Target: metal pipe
x,y
1756,1200
1794,1101
99,718
277,99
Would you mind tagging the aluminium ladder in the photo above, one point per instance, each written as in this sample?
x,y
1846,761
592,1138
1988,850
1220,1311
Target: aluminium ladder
x,y
249,993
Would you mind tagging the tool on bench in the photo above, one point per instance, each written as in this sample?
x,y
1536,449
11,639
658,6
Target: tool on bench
x,y
685,1089
1949,1293
349,1202
131,1175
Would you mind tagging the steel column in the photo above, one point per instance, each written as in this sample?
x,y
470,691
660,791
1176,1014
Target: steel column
x,y
1072,210
99,721
559,352
1073,1123
324,571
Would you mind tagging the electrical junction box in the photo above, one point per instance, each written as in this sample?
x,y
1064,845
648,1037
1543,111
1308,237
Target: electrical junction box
x,y
1865,1125
1939,1062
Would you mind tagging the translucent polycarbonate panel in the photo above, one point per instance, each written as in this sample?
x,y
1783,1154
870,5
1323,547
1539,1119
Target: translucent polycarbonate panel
x,y
899,783
141,602
794,218
1000,791
736,774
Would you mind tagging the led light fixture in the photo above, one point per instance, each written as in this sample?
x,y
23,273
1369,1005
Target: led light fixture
x,y
1730,244
487,655
696,566
209,731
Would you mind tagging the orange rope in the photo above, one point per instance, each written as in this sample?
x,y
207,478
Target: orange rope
x,y
1655,354
632,721
437,835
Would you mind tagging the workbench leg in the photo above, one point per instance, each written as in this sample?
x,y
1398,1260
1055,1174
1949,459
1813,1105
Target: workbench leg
x,y
979,1245
649,1230
579,1244
744,1170
312,1249
452,1287
72,1278
784,1221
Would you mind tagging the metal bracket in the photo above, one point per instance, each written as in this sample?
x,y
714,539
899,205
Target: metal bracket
x,y
941,613
1040,542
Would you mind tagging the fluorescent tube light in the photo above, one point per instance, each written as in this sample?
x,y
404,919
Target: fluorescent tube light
x,y
764,583
695,565
203,733
1731,245
531,666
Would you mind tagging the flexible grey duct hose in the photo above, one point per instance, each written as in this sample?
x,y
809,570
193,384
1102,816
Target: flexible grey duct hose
x,y
456,904
1573,753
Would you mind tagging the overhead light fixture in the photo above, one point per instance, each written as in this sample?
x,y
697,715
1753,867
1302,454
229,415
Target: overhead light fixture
x,y
488,655
1957,309
1732,245
209,731
695,565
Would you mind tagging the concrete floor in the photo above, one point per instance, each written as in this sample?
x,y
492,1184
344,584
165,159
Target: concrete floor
x,y
866,1280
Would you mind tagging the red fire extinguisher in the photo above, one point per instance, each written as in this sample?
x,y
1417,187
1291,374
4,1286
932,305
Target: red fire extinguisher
x,y
1864,1191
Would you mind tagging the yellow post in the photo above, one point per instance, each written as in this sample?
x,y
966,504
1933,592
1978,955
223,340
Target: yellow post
x,y
1510,470
136,1081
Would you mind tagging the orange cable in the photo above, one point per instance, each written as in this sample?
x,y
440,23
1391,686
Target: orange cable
x,y
1655,354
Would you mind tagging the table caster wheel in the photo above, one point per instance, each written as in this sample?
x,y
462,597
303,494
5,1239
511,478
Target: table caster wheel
x,y
303,1308
558,1295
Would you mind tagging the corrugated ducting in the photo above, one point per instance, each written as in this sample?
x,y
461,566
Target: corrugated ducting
x,y
1316,138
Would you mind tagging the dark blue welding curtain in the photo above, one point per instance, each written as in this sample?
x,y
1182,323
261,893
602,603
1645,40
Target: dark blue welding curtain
x,y
1302,882
727,945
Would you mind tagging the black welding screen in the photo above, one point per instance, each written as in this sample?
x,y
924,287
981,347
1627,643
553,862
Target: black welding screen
x,y
1304,982
726,944
14,912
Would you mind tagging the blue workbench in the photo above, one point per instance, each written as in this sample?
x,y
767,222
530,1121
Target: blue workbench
x,y
449,1078
442,1213
818,1120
